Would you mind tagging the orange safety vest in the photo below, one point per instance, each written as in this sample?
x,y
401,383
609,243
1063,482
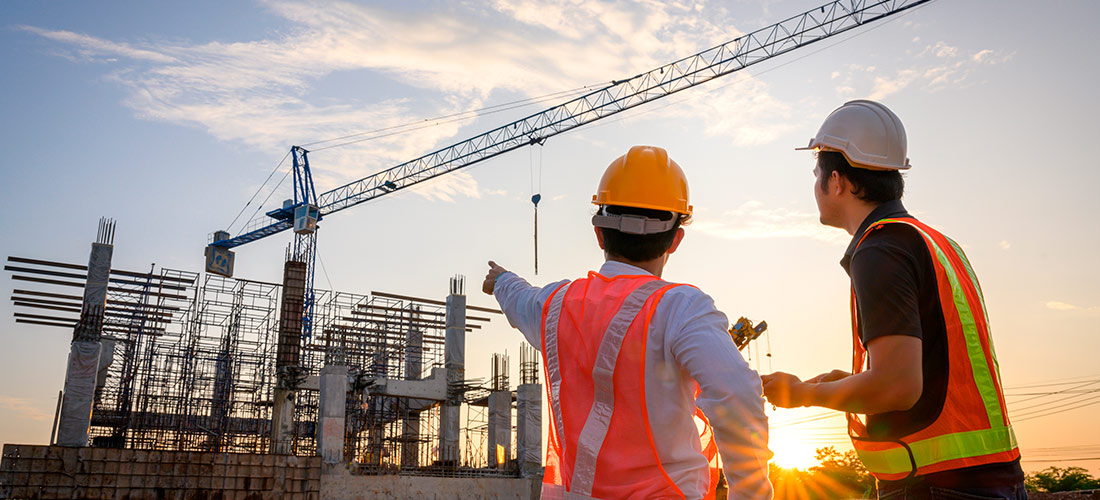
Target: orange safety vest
x,y
594,334
973,427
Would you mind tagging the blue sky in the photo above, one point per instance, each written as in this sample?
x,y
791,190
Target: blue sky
x,y
168,117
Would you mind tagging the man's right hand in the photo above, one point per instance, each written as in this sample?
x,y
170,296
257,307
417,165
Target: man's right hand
x,y
491,277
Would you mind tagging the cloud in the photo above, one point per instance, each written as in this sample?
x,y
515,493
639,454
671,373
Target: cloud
x,y
91,48
263,93
931,68
24,407
753,221
1061,306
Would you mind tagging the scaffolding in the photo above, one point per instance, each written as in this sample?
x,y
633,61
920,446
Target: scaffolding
x,y
189,364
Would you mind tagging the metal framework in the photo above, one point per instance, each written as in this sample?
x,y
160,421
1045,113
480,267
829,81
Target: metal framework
x,y
190,364
620,95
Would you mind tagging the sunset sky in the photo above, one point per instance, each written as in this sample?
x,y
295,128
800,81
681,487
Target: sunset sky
x,y
169,116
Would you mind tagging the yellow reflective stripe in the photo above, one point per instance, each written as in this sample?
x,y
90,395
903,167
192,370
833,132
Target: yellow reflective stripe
x,y
938,449
985,313
979,369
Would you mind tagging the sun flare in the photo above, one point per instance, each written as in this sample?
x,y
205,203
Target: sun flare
x,y
791,452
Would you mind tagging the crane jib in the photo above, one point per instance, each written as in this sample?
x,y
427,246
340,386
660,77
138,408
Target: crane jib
x,y
620,95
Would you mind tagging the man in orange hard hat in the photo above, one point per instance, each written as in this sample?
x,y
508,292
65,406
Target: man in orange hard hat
x,y
630,359
926,409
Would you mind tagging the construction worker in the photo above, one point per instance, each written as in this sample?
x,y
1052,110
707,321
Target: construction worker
x,y
926,412
630,359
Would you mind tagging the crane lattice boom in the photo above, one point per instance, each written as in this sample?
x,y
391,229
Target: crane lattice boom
x,y
806,28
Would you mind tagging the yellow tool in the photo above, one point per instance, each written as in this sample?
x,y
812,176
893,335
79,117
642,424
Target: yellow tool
x,y
744,332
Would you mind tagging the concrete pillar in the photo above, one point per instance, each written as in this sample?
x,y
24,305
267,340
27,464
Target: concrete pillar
x,y
454,356
500,429
83,365
410,438
282,422
414,367
287,356
76,404
529,429
331,414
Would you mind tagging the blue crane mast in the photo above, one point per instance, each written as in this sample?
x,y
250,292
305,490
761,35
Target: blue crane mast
x,y
307,208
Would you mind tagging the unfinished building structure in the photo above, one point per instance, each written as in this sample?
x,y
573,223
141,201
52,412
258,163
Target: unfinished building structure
x,y
192,363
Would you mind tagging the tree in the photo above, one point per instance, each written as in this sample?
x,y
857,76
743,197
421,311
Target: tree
x,y
846,470
839,476
1059,479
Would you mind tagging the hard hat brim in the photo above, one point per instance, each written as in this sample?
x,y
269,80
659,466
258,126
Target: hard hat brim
x,y
817,146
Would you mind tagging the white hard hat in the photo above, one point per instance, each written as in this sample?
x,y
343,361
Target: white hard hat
x,y
867,133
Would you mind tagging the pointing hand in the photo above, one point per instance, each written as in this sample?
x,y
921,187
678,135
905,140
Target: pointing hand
x,y
491,277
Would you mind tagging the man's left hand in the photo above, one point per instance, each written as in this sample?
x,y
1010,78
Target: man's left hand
x,y
784,389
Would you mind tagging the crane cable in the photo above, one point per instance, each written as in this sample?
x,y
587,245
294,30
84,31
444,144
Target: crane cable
x,y
277,167
445,119
395,130
536,196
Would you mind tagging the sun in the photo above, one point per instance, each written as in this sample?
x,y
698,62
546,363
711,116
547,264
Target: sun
x,y
790,452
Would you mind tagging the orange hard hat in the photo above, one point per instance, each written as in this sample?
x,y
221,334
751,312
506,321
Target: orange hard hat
x,y
645,177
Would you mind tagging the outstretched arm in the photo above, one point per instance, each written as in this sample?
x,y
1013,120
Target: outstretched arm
x,y
521,302
892,383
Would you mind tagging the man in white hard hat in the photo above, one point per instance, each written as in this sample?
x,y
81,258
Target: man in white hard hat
x,y
630,359
926,409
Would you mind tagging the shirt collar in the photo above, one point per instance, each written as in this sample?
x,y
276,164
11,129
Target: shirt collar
x,y
887,210
613,268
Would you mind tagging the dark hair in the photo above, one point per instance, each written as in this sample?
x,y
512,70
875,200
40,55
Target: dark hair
x,y
874,186
639,247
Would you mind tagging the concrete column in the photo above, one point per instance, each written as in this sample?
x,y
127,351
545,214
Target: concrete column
x,y
454,356
331,414
287,356
76,404
282,422
410,434
414,368
500,428
80,375
529,429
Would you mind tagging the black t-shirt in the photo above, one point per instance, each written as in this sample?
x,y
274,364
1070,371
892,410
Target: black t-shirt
x,y
896,294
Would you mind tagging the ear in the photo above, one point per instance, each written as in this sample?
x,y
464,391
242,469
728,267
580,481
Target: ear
x,y
599,237
838,183
676,240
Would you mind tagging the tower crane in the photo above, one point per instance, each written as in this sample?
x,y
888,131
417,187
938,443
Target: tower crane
x,y
308,207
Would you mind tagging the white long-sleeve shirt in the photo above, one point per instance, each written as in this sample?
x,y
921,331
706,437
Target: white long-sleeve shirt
x,y
696,347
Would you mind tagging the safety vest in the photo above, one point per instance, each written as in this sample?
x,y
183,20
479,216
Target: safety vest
x,y
594,334
972,428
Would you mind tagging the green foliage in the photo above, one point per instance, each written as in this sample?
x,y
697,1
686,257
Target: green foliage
x,y
1061,479
840,476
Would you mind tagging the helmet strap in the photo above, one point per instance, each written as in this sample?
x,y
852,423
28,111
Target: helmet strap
x,y
631,224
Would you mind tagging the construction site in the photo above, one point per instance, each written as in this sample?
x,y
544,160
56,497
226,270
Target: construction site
x,y
189,384
198,383
202,383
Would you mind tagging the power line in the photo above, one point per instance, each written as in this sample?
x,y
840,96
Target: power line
x,y
1056,382
1039,414
1062,459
